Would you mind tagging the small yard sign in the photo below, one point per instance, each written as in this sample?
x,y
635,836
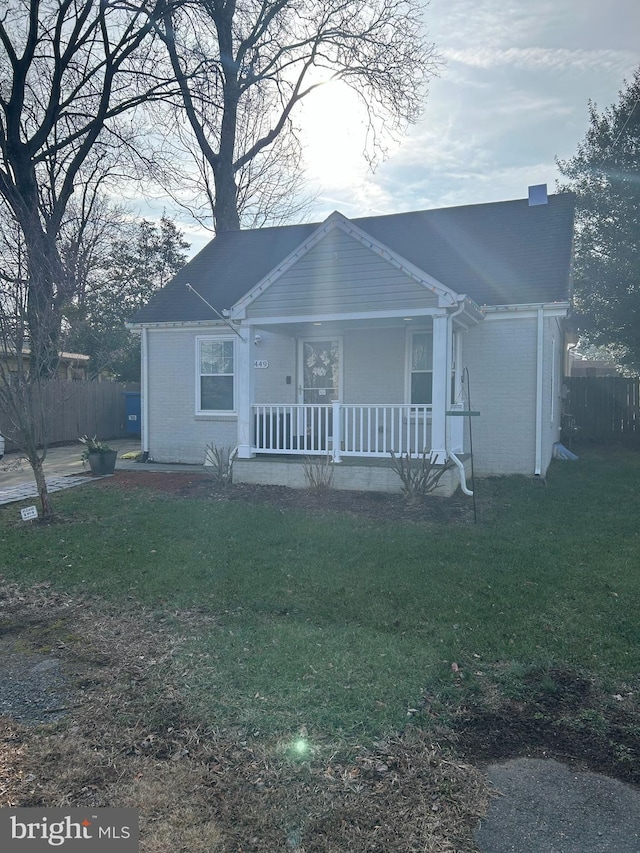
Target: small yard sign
x,y
29,513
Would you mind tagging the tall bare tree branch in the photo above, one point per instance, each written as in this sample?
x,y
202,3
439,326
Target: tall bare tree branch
x,y
230,59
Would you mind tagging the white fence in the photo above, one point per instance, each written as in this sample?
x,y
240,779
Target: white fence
x,y
341,429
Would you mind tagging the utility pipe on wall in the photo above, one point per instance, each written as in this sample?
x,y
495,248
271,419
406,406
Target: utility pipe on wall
x,y
144,379
450,318
539,388
450,454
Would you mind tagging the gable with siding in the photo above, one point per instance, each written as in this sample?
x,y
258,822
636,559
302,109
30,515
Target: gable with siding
x,y
340,275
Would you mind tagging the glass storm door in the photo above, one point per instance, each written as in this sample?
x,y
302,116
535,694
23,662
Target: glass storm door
x,y
319,375
319,371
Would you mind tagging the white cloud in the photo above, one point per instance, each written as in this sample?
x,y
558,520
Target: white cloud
x,y
512,96
544,59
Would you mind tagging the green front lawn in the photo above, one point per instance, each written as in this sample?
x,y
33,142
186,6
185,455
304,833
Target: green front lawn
x,y
345,625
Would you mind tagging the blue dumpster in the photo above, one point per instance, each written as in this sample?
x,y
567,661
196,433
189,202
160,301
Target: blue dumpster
x,y
133,412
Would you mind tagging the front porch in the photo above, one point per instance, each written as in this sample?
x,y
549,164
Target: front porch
x,y
364,362
357,439
354,473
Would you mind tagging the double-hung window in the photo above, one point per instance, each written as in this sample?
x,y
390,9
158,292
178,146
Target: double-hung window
x,y
421,363
215,365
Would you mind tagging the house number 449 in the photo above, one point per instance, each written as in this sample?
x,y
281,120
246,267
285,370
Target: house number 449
x,y
261,363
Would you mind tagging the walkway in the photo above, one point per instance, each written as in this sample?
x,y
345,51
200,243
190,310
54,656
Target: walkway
x,y
13,494
63,469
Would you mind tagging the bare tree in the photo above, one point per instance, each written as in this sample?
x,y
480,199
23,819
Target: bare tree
x,y
23,417
84,243
234,60
69,71
270,187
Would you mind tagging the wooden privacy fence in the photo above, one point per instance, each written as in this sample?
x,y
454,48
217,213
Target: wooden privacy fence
x,y
72,409
605,408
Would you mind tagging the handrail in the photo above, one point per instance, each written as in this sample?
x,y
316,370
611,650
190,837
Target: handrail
x,y
341,429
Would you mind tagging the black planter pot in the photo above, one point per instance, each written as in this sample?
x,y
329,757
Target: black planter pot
x,y
103,463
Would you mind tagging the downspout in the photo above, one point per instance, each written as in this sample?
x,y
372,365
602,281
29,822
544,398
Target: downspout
x,y
450,454
539,383
463,476
144,378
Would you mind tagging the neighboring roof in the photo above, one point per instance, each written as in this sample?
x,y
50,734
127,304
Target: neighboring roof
x,y
582,365
501,253
64,356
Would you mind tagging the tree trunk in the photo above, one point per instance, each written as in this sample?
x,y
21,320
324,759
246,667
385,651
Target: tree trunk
x,y
41,485
43,315
226,204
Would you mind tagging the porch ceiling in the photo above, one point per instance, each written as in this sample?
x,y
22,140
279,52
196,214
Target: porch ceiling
x,y
307,327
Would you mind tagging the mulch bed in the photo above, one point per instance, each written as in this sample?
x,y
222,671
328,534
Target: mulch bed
x,y
374,505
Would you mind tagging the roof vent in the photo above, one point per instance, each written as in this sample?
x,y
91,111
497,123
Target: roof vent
x,y
538,195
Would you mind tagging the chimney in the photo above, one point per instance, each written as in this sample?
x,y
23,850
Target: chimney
x,y
538,195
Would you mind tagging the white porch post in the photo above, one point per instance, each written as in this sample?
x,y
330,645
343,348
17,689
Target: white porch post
x,y
337,437
440,393
244,385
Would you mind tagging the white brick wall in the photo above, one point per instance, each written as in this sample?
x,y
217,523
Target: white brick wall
x,y
271,383
176,434
501,358
501,355
373,366
364,478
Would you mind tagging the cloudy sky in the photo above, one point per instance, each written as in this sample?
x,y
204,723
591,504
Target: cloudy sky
x,y
512,95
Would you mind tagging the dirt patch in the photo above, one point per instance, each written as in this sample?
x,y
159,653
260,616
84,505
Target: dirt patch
x,y
559,714
375,505
128,739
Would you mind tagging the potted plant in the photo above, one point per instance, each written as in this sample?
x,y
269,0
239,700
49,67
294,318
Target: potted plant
x,y
101,457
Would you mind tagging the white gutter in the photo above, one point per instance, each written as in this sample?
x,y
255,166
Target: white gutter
x,y
556,308
177,324
539,378
450,454
144,381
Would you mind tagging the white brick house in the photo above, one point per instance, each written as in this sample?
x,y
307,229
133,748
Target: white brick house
x,y
356,337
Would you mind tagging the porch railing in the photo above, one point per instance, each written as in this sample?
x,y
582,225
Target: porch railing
x,y
341,429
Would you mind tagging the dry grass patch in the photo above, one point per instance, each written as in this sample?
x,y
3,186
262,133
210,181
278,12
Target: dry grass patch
x,y
128,740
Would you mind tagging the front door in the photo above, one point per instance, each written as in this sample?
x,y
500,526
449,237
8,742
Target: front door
x,y
319,370
318,385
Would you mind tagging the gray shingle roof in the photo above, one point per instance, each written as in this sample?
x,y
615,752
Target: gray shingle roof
x,y
501,253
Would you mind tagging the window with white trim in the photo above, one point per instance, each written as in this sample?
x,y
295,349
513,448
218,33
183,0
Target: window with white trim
x,y
421,364
215,375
